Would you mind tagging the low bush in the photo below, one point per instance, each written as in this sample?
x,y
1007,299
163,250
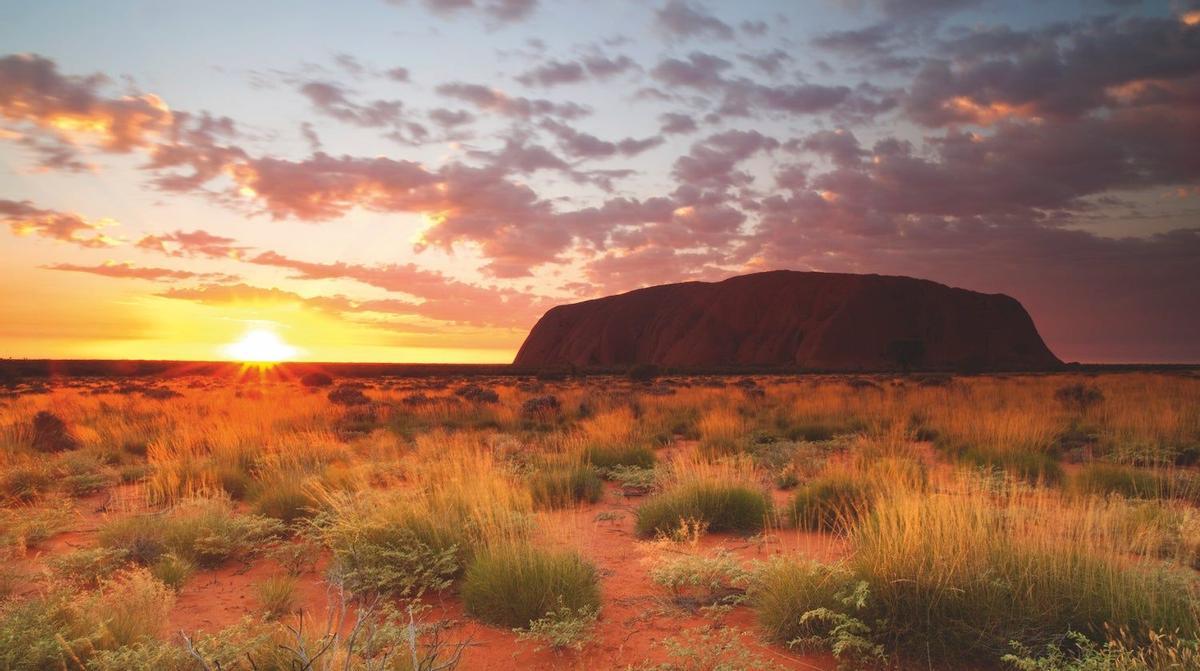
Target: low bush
x,y
1161,653
348,395
562,485
204,531
562,628
606,457
830,503
24,527
24,483
392,550
67,629
1128,481
316,379
51,433
1078,397
643,372
1031,466
87,567
634,480
516,584
698,581
727,507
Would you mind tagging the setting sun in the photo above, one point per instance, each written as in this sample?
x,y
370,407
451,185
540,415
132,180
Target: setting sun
x,y
260,345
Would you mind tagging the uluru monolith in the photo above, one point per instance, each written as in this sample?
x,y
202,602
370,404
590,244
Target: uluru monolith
x,y
792,320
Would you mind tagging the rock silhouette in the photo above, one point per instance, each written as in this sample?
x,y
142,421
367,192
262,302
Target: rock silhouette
x,y
790,319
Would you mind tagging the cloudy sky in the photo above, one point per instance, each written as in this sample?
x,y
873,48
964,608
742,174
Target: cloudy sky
x,y
418,180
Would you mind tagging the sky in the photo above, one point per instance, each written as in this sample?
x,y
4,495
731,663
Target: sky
x,y
419,180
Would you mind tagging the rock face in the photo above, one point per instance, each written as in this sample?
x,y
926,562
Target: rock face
x,y
821,321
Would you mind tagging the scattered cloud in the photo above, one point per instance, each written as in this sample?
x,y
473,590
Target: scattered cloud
x,y
23,218
684,19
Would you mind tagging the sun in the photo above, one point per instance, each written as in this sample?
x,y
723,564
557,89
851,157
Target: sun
x,y
260,346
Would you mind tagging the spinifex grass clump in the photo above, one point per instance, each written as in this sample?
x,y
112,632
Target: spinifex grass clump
x,y
383,545
724,497
286,498
960,576
66,628
277,596
722,431
830,503
614,438
784,590
420,536
558,485
515,584
206,532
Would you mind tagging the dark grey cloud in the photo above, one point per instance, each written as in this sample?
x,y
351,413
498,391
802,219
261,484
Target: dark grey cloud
x,y
499,11
1062,72
491,100
556,72
674,123
744,97
578,144
333,100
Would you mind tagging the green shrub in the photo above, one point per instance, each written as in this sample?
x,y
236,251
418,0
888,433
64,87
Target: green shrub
x,y
80,474
1162,653
88,567
66,628
818,430
605,457
41,632
142,537
698,581
405,556
721,507
562,628
831,503
25,482
25,527
1128,481
562,485
634,479
711,647
513,585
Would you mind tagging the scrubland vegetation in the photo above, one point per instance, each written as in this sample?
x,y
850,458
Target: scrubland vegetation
x,y
1034,523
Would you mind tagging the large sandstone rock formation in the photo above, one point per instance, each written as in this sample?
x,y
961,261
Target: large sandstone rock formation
x,y
822,321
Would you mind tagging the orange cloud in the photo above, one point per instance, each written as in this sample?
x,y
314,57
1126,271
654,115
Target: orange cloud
x,y
72,109
129,270
25,219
